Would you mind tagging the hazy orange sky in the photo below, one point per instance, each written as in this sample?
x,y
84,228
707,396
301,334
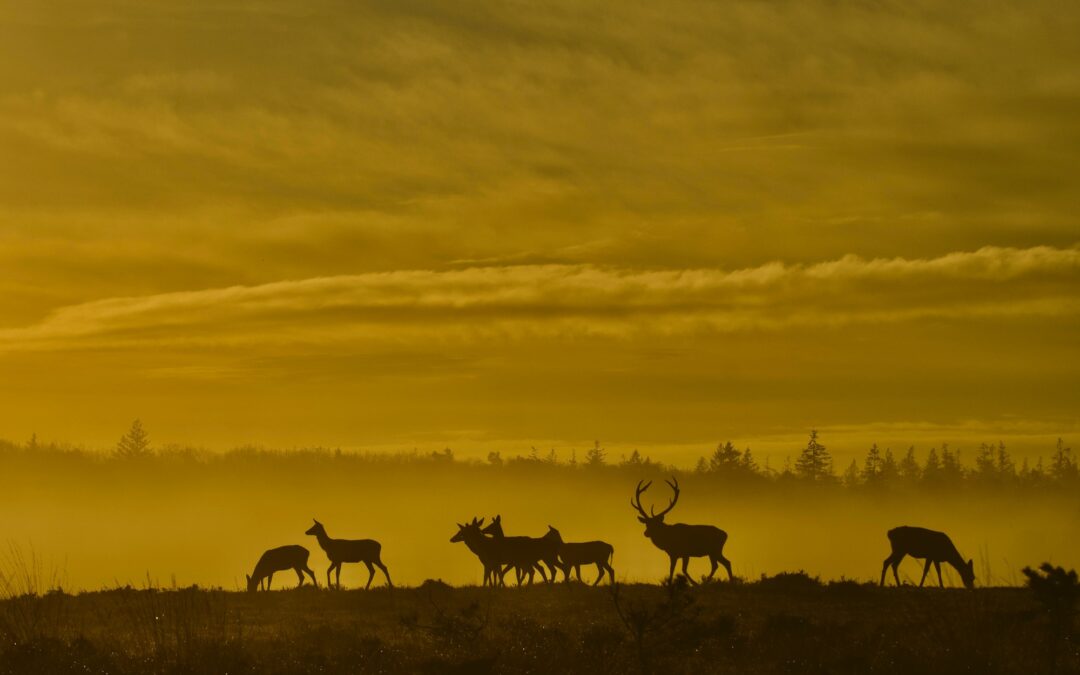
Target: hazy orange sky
x,y
492,224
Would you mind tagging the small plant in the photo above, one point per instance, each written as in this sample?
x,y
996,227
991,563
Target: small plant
x,y
1057,590
646,622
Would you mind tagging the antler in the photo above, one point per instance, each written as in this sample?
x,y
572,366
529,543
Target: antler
x,y
674,485
636,501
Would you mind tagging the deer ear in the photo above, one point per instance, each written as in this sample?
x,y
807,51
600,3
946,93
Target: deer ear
x,y
481,521
640,519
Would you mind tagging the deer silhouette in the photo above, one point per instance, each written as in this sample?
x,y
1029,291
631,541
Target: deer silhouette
x,y
526,553
367,551
492,553
935,547
575,554
681,540
291,557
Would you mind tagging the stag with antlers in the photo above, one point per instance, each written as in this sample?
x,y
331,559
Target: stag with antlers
x,y
679,540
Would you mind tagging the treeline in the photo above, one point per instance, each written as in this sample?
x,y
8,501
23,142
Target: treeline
x,y
944,468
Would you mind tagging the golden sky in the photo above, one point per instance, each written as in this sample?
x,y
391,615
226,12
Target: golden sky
x,y
489,224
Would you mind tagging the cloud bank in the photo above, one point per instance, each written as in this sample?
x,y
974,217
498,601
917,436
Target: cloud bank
x,y
575,300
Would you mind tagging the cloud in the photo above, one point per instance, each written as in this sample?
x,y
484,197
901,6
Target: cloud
x,y
545,301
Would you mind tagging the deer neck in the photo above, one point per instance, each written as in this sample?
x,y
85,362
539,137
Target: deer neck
x,y
953,557
323,538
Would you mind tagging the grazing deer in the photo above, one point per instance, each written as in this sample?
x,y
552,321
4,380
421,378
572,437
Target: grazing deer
x,y
681,540
576,554
526,553
482,546
277,559
934,547
367,551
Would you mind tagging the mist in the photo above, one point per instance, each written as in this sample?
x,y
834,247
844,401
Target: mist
x,y
185,518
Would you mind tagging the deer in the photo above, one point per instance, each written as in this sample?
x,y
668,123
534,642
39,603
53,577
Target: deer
x,y
367,551
492,553
930,545
679,540
575,554
526,553
291,557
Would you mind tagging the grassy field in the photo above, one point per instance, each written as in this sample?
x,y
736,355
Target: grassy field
x,y
789,623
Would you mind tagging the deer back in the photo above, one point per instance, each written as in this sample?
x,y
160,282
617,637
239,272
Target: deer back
x,y
281,558
681,539
586,552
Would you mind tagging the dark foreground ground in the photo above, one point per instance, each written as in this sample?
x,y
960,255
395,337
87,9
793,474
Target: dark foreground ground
x,y
786,624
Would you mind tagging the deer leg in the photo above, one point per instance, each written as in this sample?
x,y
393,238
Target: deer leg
x,y
553,568
269,580
300,576
610,572
329,582
715,564
337,576
671,570
937,566
685,565
885,568
727,567
386,573
600,572
895,567
312,575
371,574
925,571
543,574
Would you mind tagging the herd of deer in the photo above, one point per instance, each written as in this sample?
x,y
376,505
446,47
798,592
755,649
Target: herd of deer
x,y
499,553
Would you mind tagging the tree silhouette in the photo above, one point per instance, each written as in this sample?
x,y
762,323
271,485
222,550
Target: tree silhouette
x,y
852,477
135,443
815,462
596,456
909,467
1062,463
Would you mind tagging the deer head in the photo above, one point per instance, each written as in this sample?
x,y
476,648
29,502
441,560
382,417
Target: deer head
x,y
316,529
252,584
495,527
464,531
653,521
967,573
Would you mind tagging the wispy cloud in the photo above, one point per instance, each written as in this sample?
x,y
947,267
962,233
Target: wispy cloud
x,y
551,300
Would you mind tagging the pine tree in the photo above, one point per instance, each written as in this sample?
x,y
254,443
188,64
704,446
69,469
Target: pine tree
x,y
1006,468
909,467
889,470
702,466
135,443
1063,464
986,467
931,473
952,471
596,456
815,462
725,459
851,476
747,462
872,464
